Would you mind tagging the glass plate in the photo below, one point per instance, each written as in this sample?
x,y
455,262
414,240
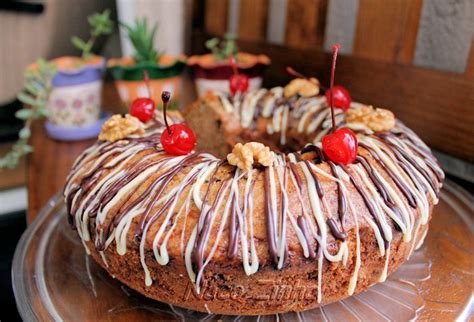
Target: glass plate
x,y
54,279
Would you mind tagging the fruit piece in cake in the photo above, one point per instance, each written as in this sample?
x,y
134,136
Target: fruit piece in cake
x,y
176,139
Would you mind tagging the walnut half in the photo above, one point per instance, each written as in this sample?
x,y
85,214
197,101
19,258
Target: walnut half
x,y
378,119
118,127
245,156
305,87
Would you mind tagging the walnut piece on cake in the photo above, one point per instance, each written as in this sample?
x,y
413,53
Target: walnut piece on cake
x,y
376,119
304,87
245,156
118,127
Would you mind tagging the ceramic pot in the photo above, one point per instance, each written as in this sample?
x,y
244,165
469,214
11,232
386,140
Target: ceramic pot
x,y
75,99
212,75
164,75
74,103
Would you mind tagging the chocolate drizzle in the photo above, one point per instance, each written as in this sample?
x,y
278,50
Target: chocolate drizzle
x,y
203,227
341,200
233,229
316,180
303,225
403,157
369,204
375,179
399,183
332,224
96,184
271,229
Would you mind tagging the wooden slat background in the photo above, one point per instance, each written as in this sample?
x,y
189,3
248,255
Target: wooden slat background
x,y
255,14
216,16
386,30
305,23
386,43
427,33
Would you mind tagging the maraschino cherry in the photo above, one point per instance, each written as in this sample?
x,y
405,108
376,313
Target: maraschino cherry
x,y
143,108
176,139
237,82
341,97
341,145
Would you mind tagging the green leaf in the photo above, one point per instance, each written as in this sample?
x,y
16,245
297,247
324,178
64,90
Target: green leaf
x,y
142,39
25,133
212,43
24,114
33,88
78,42
26,99
221,49
43,112
25,149
36,93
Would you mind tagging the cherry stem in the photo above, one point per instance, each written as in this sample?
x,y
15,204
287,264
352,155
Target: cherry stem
x,y
146,78
165,97
293,72
335,49
233,64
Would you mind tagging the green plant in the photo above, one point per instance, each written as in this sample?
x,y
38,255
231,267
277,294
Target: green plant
x,y
142,40
222,49
34,95
101,25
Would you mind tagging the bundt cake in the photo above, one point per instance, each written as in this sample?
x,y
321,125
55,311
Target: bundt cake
x,y
240,227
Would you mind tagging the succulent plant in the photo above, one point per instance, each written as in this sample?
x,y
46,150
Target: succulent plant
x,y
101,25
222,49
35,98
142,40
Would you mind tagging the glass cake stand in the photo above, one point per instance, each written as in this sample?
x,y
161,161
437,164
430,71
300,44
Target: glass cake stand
x,y
54,279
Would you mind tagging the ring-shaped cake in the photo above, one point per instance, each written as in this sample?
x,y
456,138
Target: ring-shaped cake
x,y
198,232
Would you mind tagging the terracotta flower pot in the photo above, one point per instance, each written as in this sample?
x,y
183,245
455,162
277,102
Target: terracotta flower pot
x,y
212,75
74,103
164,75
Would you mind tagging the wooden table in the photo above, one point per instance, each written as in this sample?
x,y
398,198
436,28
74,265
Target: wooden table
x,y
49,164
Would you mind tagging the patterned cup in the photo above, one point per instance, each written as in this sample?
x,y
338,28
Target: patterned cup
x,y
75,99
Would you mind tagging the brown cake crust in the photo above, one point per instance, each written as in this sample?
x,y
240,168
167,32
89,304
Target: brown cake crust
x,y
100,193
228,290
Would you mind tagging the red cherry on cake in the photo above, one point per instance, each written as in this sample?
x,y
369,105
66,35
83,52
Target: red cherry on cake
x,y
143,108
341,99
176,139
237,82
341,146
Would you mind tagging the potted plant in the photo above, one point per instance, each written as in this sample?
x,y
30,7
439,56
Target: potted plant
x,y
164,70
212,71
75,100
35,95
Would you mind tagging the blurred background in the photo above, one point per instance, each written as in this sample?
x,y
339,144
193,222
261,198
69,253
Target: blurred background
x,y
415,57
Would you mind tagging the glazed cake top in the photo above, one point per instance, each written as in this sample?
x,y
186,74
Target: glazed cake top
x,y
200,210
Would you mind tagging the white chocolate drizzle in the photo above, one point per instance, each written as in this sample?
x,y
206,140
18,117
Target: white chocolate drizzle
x,y
131,190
